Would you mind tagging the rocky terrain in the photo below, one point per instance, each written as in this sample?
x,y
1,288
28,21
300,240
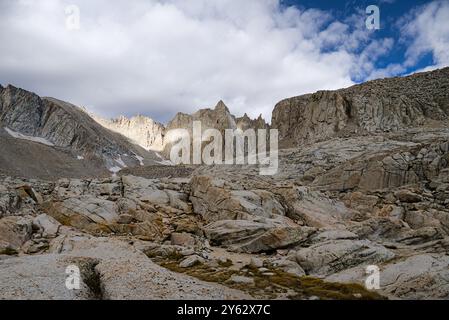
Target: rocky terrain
x,y
363,180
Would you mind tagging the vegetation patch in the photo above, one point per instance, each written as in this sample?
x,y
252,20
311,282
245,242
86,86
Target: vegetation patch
x,y
271,284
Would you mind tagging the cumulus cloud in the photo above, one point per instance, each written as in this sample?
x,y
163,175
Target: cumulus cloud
x,y
157,57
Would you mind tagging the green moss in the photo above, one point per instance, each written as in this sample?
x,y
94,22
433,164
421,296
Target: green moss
x,y
8,251
225,264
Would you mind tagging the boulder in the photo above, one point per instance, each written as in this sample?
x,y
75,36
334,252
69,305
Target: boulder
x,y
418,277
47,224
315,209
15,231
182,239
289,266
215,201
407,196
191,261
240,280
85,213
333,256
256,236
40,277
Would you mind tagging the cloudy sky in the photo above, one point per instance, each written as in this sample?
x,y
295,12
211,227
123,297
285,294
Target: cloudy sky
x,y
158,57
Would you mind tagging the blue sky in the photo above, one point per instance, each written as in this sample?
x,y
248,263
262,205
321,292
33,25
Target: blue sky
x,y
160,57
391,13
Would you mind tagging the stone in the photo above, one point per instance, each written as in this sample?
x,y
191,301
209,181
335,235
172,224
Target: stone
x,y
333,234
253,236
407,196
15,231
191,261
428,272
256,262
214,201
110,270
240,280
125,219
32,247
27,191
289,266
315,209
420,276
7,249
47,224
182,239
333,256
85,213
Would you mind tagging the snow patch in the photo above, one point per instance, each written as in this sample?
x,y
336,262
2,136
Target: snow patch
x,y
121,165
115,169
120,162
163,162
80,157
18,135
140,159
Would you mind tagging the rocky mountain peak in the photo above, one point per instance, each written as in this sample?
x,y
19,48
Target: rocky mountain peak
x,y
140,129
221,107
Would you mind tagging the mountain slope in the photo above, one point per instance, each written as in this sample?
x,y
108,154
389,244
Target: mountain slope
x,y
65,128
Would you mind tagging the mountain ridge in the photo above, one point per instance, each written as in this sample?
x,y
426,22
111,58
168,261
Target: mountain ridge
x,y
389,104
69,129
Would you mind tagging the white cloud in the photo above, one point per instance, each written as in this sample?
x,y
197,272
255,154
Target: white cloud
x,y
161,57
427,30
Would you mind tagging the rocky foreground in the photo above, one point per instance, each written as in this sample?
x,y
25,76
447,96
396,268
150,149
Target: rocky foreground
x,y
365,186
334,208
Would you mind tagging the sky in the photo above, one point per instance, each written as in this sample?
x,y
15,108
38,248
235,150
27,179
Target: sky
x,y
160,57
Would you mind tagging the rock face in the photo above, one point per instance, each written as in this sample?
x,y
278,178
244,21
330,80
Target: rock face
x,y
380,105
141,130
336,255
60,125
111,270
14,232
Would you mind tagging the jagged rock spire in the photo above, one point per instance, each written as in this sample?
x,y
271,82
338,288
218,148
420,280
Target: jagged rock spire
x,y
221,106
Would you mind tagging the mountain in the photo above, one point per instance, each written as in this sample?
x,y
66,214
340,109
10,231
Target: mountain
x,y
47,126
246,122
376,106
140,129
219,118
